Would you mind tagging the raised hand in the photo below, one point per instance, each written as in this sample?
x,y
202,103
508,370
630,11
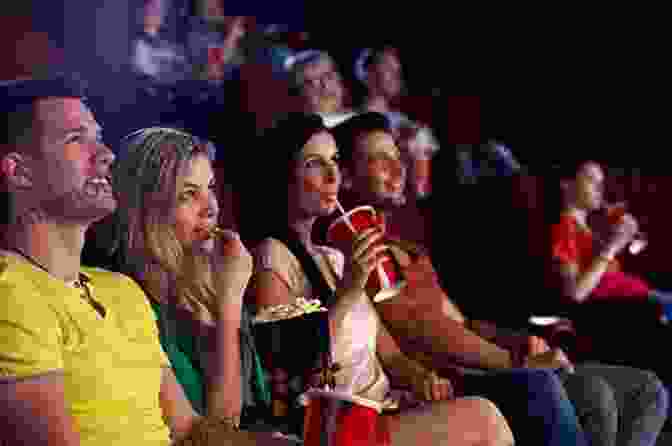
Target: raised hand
x,y
363,257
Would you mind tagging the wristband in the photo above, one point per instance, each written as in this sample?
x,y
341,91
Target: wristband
x,y
211,430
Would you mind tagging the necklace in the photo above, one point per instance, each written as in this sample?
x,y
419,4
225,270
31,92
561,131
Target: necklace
x,y
82,283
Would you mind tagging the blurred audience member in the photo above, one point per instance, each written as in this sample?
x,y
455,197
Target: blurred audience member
x,y
154,57
585,251
319,86
425,319
380,70
217,51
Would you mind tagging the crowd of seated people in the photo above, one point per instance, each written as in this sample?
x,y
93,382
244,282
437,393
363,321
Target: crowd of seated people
x,y
154,338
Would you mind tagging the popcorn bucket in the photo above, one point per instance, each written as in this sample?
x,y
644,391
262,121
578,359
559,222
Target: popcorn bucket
x,y
294,351
338,419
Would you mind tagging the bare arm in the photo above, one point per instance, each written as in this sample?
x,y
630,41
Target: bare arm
x,y
231,275
266,288
224,394
578,286
33,412
401,369
177,410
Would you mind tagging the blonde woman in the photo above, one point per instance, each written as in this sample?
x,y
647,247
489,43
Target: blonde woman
x,y
162,236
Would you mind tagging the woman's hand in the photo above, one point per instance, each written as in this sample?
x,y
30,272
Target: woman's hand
x,y
431,387
231,270
537,346
363,258
622,234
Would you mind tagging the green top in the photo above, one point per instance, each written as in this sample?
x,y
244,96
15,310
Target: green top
x,y
182,350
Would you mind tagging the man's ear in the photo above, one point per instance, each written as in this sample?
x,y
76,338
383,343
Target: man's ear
x,y
16,171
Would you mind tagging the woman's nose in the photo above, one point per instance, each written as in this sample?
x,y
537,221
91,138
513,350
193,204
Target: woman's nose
x,y
210,206
396,168
104,157
332,172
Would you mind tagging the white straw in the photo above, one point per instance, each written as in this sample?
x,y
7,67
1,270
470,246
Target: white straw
x,y
345,217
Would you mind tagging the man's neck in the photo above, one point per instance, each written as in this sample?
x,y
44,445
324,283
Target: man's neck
x,y
56,248
152,30
377,103
328,109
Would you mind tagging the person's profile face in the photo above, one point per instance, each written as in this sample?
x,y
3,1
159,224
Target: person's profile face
x,y
589,186
387,73
317,177
153,12
71,167
322,87
196,206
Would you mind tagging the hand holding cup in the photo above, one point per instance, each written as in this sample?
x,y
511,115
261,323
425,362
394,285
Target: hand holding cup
x,y
363,257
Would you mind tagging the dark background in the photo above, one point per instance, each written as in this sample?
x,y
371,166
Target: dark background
x,y
550,84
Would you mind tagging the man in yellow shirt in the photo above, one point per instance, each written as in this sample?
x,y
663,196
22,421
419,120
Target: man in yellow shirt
x,y
80,359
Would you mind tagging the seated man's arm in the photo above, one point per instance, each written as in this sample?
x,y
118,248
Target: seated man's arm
x,y
401,369
33,412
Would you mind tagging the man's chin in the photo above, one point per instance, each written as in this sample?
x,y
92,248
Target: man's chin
x,y
84,213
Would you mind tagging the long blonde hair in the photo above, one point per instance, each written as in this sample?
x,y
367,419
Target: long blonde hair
x,y
144,240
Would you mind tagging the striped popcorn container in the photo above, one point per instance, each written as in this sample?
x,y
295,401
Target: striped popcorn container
x,y
336,419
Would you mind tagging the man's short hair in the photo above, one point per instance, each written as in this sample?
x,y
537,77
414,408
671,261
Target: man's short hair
x,y
296,64
17,99
348,132
18,96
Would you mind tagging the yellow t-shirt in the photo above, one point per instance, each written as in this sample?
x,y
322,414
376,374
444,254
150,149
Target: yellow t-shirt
x,y
111,365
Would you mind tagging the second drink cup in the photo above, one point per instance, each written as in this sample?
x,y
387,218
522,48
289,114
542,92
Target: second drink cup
x,y
386,280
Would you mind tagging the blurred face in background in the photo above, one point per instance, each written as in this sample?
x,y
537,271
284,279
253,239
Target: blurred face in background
x,y
586,190
385,75
153,13
322,88
210,8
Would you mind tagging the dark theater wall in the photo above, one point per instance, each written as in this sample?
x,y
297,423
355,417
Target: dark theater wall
x,y
22,47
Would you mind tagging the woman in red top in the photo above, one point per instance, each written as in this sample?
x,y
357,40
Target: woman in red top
x,y
585,257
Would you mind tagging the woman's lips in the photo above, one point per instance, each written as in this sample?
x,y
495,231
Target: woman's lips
x,y
204,232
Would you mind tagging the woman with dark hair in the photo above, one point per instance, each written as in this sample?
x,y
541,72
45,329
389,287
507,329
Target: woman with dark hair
x,y
301,183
